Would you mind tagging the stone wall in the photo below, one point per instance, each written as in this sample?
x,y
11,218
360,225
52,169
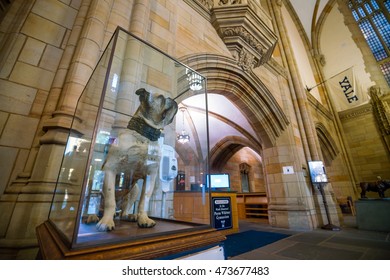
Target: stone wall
x,y
366,145
48,51
33,37
255,176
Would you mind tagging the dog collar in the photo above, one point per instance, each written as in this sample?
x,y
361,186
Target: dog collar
x,y
139,125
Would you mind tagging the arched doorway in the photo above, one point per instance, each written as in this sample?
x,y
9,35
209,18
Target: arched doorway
x,y
244,118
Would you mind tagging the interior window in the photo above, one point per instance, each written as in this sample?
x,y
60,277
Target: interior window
x,y
373,20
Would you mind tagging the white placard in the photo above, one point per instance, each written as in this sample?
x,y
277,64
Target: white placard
x,y
288,170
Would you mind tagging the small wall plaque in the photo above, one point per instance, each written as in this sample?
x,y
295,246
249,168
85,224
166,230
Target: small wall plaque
x,y
288,170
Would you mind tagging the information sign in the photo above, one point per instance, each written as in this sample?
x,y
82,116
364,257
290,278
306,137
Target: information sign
x,y
222,213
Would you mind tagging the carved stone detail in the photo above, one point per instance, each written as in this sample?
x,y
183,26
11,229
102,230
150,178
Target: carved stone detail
x,y
245,35
246,61
243,28
229,2
244,168
381,112
355,112
321,59
207,3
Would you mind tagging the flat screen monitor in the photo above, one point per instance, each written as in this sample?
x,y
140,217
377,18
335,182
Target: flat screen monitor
x,y
219,181
317,172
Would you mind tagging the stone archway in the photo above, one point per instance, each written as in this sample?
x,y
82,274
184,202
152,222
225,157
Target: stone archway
x,y
328,146
236,155
227,147
245,90
290,197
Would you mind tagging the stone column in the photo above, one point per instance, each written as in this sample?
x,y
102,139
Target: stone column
x,y
140,18
298,94
27,205
313,151
85,57
289,195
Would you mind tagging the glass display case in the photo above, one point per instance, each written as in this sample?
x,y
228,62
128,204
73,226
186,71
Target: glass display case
x,y
139,134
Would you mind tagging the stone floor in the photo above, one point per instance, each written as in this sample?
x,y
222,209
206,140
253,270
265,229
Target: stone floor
x,y
349,243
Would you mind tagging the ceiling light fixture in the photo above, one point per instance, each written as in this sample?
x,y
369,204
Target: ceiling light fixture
x,y
194,79
183,137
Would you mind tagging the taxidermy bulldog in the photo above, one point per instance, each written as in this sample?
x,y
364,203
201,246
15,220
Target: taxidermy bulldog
x,y
137,154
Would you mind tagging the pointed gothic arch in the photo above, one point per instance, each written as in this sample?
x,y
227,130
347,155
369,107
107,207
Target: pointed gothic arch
x,y
245,90
227,147
328,145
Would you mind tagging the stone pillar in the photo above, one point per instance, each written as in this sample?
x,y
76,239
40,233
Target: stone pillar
x,y
26,204
140,18
298,92
86,55
307,129
127,62
289,194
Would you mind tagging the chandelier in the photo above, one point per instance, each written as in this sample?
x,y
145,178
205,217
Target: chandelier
x,y
183,137
194,79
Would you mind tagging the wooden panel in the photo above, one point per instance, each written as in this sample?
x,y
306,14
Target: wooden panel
x,y
253,205
201,212
241,210
53,248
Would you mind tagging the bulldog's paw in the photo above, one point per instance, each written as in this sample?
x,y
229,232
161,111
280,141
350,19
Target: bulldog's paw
x,y
91,219
105,224
145,222
130,217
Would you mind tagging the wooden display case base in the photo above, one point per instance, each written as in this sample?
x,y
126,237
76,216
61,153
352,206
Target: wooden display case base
x,y
52,246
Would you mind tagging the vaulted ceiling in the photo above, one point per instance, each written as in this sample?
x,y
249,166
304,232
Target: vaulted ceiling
x,y
309,12
233,123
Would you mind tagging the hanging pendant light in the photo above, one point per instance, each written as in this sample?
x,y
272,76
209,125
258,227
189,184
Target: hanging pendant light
x,y
183,137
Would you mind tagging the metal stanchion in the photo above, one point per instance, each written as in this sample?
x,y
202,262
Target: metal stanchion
x,y
329,225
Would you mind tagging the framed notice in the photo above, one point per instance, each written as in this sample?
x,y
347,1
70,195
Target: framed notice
x,y
222,213
317,172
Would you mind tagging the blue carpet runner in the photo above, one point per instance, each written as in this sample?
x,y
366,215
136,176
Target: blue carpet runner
x,y
242,242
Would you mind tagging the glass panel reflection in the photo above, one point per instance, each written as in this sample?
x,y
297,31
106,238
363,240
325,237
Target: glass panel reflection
x,y
124,174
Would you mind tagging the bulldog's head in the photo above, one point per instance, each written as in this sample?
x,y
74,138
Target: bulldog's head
x,y
157,110
153,114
